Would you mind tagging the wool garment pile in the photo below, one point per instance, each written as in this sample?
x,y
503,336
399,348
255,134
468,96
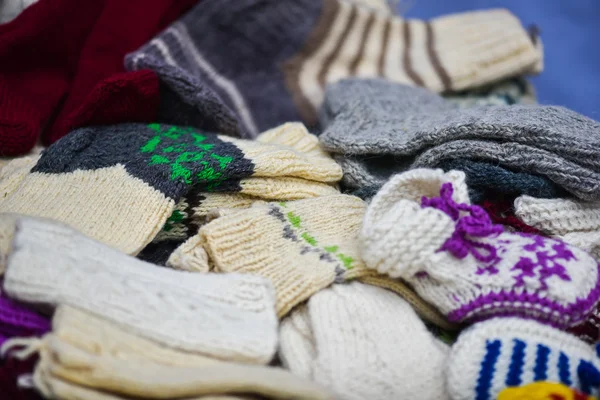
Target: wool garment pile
x,y
290,199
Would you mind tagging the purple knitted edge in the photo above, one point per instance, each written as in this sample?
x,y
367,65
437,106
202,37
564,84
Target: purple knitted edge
x,y
573,314
18,316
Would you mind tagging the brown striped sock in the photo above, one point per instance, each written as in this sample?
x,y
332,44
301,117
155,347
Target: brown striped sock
x,y
269,61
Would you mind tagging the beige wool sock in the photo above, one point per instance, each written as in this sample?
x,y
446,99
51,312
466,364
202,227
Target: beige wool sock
x,y
575,222
168,247
449,53
364,342
301,246
227,316
426,311
88,357
119,184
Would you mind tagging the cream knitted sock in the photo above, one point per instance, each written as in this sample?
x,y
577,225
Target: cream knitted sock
x,y
301,246
191,212
470,269
88,357
225,316
425,310
364,342
119,184
504,352
574,221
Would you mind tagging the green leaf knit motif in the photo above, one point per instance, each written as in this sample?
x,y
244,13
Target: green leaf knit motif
x,y
182,148
296,222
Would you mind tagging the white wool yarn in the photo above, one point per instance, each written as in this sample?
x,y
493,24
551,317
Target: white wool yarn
x,y
226,316
364,342
574,221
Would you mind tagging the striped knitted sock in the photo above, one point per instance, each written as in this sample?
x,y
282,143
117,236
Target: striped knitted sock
x,y
119,184
281,54
504,352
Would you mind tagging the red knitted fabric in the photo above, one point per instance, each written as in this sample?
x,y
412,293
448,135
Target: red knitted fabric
x,y
502,212
56,52
10,370
124,97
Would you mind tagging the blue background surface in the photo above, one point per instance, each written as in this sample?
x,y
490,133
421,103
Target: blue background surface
x,y
570,32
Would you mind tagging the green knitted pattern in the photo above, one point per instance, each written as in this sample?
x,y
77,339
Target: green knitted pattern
x,y
296,222
179,148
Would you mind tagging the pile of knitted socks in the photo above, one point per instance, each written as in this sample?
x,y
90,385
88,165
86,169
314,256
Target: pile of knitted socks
x,y
290,199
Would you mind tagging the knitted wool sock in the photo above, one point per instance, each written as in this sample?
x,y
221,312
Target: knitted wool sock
x,y
505,352
93,356
18,320
88,357
119,184
301,246
421,227
505,93
543,391
281,54
29,96
77,46
490,181
363,342
576,222
123,97
198,313
192,211
384,128
112,37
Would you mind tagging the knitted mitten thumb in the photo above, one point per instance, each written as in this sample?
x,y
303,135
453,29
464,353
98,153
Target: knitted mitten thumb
x,y
393,221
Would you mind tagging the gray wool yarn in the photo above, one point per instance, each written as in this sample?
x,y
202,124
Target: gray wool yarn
x,y
366,119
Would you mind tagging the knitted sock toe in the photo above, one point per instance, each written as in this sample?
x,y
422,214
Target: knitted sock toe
x,y
505,352
302,246
355,339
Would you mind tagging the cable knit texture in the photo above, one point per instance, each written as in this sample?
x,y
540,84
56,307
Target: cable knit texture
x,y
343,339
88,357
224,316
468,267
386,128
504,352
